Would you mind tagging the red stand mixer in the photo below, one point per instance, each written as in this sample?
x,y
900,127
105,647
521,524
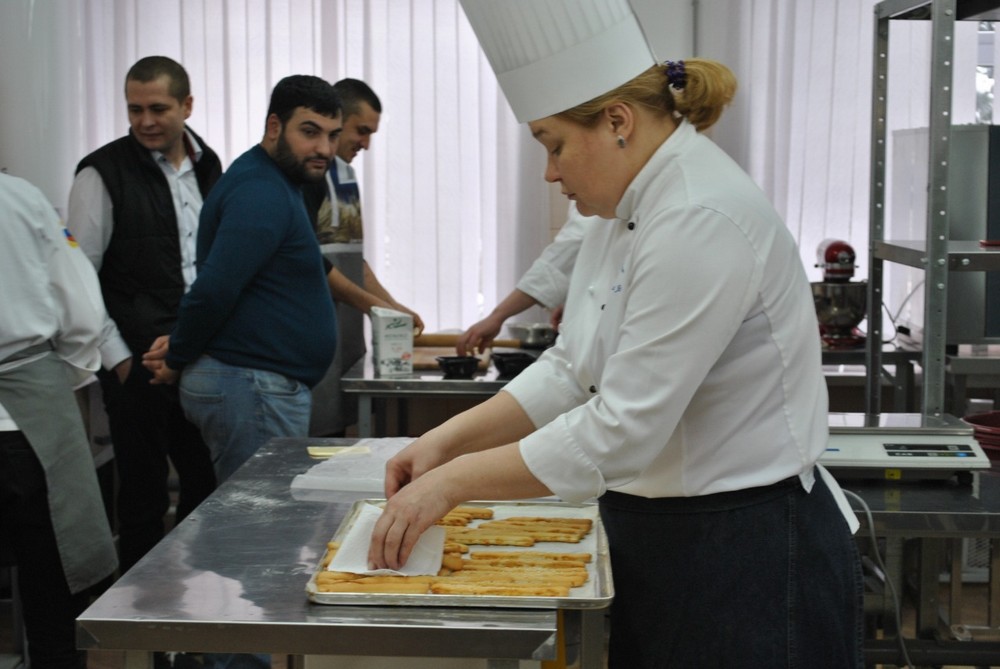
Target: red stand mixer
x,y
840,302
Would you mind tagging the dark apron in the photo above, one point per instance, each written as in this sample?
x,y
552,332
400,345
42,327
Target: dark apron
x,y
38,397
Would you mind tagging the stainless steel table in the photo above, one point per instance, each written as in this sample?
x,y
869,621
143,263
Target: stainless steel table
x,y
965,370
930,515
361,380
231,578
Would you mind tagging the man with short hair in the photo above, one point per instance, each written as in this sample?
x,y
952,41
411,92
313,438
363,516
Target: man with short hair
x,y
134,208
257,329
336,208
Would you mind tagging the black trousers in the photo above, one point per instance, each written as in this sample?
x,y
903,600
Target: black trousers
x,y
50,610
147,426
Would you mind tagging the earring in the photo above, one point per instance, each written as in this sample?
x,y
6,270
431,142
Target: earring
x,y
621,142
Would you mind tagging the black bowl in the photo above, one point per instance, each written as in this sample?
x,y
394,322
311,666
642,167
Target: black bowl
x,y
458,366
510,365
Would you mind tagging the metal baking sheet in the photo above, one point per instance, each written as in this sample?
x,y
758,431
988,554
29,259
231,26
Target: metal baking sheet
x,y
595,594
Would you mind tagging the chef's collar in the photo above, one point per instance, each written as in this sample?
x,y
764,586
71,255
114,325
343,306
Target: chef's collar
x,y
627,205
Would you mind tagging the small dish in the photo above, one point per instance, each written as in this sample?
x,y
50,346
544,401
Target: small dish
x,y
510,365
458,366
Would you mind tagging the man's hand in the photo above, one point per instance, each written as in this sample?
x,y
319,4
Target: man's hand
x,y
155,361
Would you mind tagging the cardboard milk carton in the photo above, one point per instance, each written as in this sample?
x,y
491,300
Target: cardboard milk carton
x,y
392,342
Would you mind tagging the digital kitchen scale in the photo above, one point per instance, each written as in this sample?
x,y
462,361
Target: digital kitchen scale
x,y
901,446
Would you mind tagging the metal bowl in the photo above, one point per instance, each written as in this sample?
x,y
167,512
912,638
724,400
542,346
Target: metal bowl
x,y
532,335
840,306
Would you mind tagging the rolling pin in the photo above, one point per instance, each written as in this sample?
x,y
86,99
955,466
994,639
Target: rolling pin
x,y
452,339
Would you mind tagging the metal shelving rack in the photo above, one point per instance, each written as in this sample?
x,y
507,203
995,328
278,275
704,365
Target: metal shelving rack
x,y
936,254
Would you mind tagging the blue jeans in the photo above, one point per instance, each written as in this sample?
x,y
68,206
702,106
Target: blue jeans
x,y
239,409
764,577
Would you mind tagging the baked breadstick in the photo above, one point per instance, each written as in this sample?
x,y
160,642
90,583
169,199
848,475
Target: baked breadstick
x,y
474,511
452,561
395,588
534,555
499,590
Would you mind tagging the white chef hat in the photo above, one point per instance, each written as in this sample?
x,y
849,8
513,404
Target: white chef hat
x,y
552,55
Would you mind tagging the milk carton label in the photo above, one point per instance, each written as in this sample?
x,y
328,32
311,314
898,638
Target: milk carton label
x,y
392,342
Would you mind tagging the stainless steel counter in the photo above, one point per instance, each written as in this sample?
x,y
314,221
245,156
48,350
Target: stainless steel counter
x,y
231,578
360,380
929,521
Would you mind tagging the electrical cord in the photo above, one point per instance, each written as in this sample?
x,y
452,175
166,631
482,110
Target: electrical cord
x,y
885,573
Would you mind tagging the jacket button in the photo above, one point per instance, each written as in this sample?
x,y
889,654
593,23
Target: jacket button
x,y
631,225
593,389
602,307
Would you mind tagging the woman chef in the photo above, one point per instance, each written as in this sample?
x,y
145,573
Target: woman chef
x,y
685,391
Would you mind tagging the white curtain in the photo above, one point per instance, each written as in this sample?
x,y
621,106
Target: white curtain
x,y
455,207
801,121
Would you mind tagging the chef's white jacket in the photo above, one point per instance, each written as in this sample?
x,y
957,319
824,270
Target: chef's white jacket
x,y
547,280
689,361
50,289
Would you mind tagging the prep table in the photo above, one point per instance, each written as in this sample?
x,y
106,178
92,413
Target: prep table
x,y
360,380
232,576
930,515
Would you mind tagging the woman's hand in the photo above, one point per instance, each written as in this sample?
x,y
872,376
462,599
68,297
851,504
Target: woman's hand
x,y
409,512
413,462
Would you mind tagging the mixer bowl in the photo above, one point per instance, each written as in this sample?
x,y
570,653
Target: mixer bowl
x,y
840,306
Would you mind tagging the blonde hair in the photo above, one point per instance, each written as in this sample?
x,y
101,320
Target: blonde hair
x,y
708,87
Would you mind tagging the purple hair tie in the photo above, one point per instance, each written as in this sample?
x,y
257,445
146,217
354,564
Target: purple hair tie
x,y
676,74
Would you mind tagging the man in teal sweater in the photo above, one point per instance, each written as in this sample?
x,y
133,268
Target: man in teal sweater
x,y
257,329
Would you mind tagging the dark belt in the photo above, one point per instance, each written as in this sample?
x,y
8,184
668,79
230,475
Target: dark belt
x,y
44,347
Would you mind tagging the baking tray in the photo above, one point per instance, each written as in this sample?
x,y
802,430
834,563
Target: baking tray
x,y
596,593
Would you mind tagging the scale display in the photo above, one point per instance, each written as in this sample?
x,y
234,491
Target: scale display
x,y
929,450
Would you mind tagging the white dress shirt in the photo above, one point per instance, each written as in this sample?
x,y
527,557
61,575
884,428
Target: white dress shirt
x,y
90,217
50,289
547,280
689,362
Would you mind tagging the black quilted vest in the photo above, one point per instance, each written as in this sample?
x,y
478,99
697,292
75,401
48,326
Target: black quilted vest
x,y
141,274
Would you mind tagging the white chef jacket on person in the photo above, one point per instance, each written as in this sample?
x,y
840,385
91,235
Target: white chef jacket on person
x,y
689,361
547,280
51,291
90,216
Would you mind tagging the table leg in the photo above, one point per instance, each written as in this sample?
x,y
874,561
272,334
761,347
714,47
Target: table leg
x,y
364,416
592,639
138,659
994,589
931,560
903,395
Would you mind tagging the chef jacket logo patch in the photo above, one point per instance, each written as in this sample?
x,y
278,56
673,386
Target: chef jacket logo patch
x,y
70,239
